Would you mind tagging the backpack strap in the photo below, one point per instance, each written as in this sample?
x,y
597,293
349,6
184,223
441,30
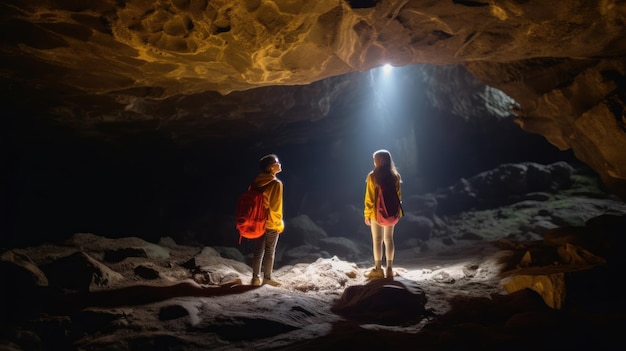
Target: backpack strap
x,y
262,187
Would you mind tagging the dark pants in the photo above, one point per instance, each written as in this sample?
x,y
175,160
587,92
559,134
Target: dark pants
x,y
264,252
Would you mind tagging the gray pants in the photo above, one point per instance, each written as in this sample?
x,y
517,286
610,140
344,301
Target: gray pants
x,y
264,252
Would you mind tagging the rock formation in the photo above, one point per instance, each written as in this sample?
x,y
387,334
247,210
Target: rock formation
x,y
210,69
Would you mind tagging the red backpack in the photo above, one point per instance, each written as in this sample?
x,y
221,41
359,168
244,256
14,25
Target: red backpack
x,y
251,214
388,205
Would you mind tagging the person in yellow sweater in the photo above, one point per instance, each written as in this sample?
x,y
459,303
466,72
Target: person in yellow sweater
x,y
384,172
265,246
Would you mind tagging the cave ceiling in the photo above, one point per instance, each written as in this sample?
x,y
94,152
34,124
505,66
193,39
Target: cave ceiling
x,y
198,69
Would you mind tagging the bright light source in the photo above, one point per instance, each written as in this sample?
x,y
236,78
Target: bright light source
x,y
387,68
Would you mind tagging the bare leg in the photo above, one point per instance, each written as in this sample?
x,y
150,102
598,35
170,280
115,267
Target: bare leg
x,y
390,249
377,244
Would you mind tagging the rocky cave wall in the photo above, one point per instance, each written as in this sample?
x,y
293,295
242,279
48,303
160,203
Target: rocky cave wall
x,y
576,104
208,70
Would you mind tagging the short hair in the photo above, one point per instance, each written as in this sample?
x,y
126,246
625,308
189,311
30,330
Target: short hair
x,y
267,161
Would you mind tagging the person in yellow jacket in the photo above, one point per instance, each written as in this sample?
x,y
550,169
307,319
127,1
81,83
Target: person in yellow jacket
x,y
265,246
384,172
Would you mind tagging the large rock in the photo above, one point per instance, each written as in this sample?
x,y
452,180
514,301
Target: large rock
x,y
391,302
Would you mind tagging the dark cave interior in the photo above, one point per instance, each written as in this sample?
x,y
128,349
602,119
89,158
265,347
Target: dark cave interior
x,y
145,184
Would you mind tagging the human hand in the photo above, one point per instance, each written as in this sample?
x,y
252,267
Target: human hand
x,y
368,221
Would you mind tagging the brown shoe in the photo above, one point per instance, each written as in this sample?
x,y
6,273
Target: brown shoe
x,y
375,273
271,282
255,282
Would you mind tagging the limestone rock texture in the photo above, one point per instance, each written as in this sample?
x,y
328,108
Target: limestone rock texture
x,y
221,68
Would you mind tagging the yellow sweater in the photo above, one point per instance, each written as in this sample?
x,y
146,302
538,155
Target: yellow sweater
x,y
370,197
273,198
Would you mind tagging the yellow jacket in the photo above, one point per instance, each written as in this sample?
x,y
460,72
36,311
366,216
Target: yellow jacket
x,y
273,199
370,197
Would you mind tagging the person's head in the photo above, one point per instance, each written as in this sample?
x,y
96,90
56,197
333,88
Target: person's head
x,y
384,166
382,159
270,164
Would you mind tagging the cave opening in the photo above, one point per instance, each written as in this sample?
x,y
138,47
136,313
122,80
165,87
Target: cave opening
x,y
144,183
